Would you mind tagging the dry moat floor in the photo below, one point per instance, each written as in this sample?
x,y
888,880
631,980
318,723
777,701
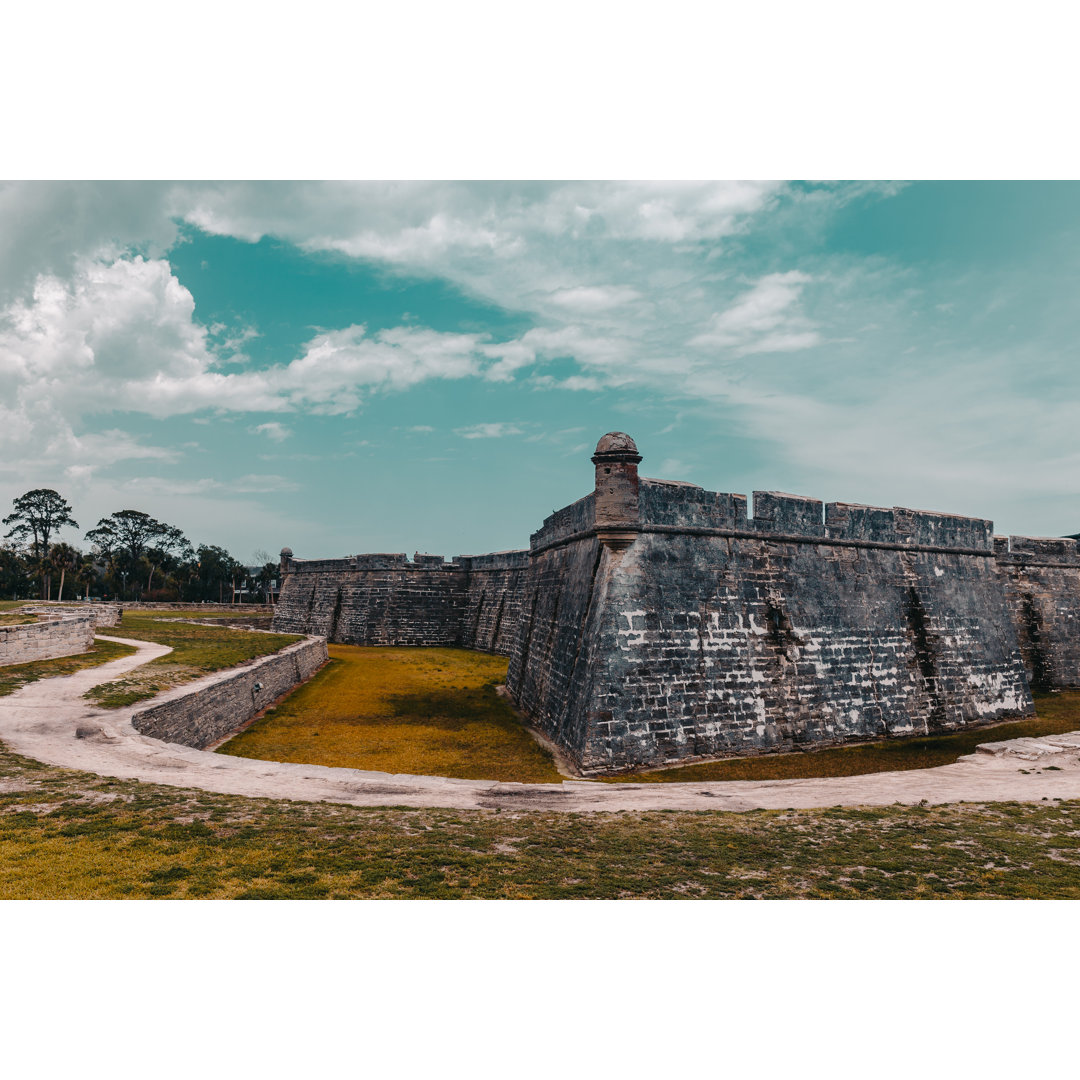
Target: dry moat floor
x,y
435,712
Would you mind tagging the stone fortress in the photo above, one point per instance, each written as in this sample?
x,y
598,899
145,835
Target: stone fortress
x,y
653,622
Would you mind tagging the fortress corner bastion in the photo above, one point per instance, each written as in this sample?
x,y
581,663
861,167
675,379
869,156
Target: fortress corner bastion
x,y
654,622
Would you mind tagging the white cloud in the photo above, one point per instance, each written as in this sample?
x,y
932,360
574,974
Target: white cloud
x,y
121,336
594,298
273,430
764,319
489,431
162,487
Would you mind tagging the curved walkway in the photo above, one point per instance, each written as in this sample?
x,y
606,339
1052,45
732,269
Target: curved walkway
x,y
49,721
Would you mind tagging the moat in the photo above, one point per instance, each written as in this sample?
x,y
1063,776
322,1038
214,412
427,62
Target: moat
x,y
435,712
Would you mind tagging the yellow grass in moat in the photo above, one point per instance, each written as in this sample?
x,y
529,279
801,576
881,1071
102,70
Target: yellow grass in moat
x,y
410,710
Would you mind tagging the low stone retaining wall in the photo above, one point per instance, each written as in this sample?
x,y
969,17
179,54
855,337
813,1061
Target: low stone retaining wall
x,y
53,635
200,716
103,614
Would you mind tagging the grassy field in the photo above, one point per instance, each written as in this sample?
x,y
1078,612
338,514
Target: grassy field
x,y
197,650
16,618
431,711
65,834
16,677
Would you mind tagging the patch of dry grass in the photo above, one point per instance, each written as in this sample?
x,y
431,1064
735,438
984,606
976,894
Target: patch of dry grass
x,y
65,834
416,710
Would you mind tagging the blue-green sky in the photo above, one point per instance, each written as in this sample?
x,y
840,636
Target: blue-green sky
x,y
399,367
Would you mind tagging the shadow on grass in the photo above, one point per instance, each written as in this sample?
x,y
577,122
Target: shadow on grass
x,y
452,710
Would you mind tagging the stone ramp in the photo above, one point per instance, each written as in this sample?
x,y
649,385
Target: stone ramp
x,y
1033,749
49,721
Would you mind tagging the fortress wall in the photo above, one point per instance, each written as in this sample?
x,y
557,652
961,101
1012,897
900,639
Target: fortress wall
x,y
710,634
53,635
716,646
204,714
1041,579
570,521
554,658
373,600
664,502
380,599
492,614
655,622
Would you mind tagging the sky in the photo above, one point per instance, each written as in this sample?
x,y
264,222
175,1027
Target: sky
x,y
349,367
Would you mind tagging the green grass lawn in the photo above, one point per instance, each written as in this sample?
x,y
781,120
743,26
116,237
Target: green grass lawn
x,y
197,651
432,711
16,677
66,834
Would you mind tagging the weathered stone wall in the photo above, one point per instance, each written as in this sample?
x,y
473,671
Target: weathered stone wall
x,y
554,664
51,636
1041,579
654,622
494,587
102,614
711,634
472,602
201,716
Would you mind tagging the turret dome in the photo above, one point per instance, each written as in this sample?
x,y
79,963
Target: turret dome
x,y
616,441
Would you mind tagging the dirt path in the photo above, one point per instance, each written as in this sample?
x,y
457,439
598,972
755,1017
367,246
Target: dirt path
x,y
48,720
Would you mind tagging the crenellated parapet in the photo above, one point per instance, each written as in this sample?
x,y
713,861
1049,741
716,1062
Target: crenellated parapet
x,y
1041,579
570,523
1029,550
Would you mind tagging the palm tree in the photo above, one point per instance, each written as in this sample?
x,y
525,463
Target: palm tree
x,y
265,579
87,574
63,558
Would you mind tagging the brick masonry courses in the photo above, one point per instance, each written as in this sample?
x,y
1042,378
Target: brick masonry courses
x,y
654,622
202,716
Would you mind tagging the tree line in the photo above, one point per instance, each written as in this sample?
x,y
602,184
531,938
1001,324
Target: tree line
x,y
132,556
